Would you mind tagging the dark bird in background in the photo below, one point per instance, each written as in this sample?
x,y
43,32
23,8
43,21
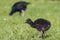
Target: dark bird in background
x,y
19,7
41,25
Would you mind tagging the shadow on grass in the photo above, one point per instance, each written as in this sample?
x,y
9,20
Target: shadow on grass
x,y
47,36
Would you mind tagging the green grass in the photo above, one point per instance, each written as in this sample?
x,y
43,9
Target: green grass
x,y
13,27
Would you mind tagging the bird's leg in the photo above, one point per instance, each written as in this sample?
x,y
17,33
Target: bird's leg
x,y
22,12
42,34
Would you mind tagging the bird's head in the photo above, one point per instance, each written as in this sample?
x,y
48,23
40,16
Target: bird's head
x,y
28,20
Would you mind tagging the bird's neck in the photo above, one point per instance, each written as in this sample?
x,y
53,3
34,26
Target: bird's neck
x,y
32,24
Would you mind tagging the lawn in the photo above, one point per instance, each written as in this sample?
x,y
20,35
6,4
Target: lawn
x,y
14,28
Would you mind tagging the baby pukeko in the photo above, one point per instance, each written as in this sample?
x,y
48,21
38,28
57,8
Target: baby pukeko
x,y
40,24
20,7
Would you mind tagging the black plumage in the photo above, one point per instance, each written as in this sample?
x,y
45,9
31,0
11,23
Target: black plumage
x,y
20,7
40,24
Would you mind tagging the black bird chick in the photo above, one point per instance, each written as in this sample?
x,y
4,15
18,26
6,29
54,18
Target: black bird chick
x,y
41,25
20,7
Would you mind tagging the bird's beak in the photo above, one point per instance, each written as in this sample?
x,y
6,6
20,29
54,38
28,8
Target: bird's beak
x,y
25,21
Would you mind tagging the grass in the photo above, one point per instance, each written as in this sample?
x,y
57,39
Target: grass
x,y
14,28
